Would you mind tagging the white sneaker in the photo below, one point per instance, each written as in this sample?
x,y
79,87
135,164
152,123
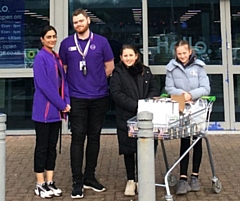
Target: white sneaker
x,y
130,188
56,191
43,191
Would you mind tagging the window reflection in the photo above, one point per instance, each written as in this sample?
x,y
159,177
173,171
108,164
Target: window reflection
x,y
235,20
118,20
21,22
194,21
236,79
36,17
16,99
216,83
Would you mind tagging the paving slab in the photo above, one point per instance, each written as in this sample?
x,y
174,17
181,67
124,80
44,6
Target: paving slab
x,y
20,178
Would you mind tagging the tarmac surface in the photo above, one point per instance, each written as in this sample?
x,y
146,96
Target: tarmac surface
x,y
20,178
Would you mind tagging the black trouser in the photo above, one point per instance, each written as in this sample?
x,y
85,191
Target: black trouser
x,y
197,156
86,119
45,150
131,163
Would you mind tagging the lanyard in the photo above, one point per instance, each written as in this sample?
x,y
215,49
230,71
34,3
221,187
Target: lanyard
x,y
83,53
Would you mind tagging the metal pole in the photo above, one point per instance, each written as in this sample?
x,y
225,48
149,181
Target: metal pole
x,y
2,155
146,164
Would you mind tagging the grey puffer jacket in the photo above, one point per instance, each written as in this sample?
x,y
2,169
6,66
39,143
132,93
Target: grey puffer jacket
x,y
192,79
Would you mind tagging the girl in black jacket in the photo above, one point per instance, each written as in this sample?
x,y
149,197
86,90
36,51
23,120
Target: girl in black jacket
x,y
130,81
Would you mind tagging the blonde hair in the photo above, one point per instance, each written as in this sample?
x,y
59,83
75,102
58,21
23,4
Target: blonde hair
x,y
181,43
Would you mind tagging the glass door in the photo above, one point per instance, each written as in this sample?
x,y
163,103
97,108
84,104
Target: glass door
x,y
204,25
233,58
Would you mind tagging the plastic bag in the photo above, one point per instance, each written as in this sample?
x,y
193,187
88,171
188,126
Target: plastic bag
x,y
198,111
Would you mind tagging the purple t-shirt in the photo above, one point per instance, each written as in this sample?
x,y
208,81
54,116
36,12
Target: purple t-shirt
x,y
94,84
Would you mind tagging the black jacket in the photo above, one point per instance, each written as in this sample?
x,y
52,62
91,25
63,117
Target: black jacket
x,y
126,93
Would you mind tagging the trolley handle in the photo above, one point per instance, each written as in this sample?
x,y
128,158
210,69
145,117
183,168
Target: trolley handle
x,y
164,96
208,98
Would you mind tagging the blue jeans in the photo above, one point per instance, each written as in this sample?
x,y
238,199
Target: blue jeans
x,y
86,120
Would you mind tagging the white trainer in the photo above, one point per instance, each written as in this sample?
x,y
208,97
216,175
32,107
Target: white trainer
x,y
130,188
56,191
43,191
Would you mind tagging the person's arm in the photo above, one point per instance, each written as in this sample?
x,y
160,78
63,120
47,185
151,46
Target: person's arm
x,y
170,86
119,96
45,84
204,85
107,57
109,66
63,56
66,90
154,89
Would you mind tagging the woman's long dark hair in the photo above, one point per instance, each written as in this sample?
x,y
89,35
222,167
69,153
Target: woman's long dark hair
x,y
45,29
132,47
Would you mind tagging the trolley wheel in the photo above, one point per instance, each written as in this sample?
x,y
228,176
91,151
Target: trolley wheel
x,y
172,180
217,186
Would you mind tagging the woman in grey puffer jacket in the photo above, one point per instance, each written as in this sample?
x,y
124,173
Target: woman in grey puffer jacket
x,y
186,75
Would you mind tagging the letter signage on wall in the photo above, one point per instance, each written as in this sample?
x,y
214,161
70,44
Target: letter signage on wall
x,y
12,33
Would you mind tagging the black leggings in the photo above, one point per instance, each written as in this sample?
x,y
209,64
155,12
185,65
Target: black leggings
x,y
197,156
130,161
45,149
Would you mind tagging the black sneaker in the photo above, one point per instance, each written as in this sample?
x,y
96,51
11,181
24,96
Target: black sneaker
x,y
56,191
43,191
77,191
94,185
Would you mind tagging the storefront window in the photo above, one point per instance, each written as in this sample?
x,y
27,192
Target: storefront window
x,y
236,79
235,21
20,25
216,83
216,90
195,21
16,97
120,22
21,22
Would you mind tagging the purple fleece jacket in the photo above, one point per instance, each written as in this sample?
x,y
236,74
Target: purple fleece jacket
x,y
51,90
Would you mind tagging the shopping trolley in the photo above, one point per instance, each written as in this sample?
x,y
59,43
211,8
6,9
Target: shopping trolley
x,y
191,123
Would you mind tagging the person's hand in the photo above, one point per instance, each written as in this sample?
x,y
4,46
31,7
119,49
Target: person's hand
x,y
187,96
67,109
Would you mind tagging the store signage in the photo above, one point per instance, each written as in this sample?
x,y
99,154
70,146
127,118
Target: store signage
x,y
11,33
29,55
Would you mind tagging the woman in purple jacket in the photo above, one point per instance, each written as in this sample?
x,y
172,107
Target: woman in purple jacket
x,y
51,103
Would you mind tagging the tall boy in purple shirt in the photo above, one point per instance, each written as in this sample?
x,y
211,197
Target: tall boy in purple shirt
x,y
88,60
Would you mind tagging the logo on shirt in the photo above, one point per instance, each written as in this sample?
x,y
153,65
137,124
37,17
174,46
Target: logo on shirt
x,y
92,47
74,48
193,73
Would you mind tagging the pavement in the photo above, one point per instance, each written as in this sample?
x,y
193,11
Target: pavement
x,y
20,178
